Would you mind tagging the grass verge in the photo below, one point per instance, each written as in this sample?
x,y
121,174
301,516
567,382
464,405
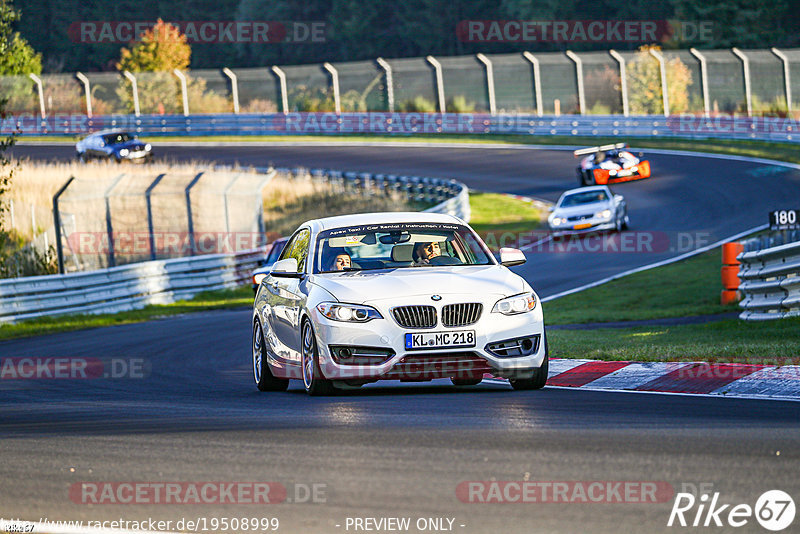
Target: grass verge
x,y
767,342
209,300
760,149
501,219
688,287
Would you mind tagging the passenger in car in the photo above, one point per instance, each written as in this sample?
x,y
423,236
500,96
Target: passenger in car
x,y
340,262
425,252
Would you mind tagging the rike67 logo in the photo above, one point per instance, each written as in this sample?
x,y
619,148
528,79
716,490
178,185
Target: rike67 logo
x,y
774,510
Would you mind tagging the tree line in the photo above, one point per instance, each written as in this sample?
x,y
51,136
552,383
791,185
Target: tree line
x,y
358,30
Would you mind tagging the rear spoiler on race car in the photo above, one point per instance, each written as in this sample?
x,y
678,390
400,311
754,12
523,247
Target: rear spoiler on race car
x,y
592,150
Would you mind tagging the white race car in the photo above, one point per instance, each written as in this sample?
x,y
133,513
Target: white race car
x,y
588,209
403,296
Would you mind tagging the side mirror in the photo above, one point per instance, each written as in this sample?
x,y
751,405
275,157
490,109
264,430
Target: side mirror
x,y
551,209
619,198
286,268
511,256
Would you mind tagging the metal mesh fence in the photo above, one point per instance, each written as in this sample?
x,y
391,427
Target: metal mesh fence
x,y
601,83
362,86
513,83
559,83
414,85
209,91
111,93
21,94
258,91
308,88
464,84
135,217
464,80
725,81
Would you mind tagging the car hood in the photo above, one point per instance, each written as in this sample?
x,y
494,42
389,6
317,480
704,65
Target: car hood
x,y
583,209
360,287
133,144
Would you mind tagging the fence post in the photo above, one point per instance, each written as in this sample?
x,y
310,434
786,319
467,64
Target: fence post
x,y
40,90
184,91
282,79
11,212
225,200
109,228
135,89
703,80
537,82
234,88
437,68
57,225
579,75
150,229
663,66
387,69
623,80
337,105
86,89
746,72
189,212
786,78
489,82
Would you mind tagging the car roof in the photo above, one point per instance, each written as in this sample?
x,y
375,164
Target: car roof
x,y
381,218
587,189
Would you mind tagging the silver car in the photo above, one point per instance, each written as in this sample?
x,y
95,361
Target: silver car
x,y
588,209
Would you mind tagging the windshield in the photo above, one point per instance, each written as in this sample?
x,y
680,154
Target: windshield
x,y
113,139
395,246
584,197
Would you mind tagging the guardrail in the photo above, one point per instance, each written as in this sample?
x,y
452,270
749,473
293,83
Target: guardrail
x,y
123,288
770,282
136,285
783,129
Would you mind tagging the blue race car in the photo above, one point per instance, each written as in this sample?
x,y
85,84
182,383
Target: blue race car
x,y
114,145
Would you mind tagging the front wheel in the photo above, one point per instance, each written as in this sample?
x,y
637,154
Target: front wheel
x,y
265,380
539,378
314,382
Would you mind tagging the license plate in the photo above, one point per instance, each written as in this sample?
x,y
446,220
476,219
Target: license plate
x,y
627,172
437,340
582,226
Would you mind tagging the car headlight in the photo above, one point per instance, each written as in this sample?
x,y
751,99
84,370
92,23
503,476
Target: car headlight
x,y
258,277
612,172
351,313
123,152
516,304
605,214
147,147
557,220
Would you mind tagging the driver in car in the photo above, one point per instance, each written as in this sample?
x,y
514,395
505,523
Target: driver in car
x,y
424,252
340,262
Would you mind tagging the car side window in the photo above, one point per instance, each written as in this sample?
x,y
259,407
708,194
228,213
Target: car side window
x,y
297,248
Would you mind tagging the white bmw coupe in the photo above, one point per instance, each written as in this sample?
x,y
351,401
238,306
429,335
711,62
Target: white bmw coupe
x,y
395,296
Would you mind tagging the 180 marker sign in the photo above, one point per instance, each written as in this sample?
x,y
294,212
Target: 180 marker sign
x,y
784,219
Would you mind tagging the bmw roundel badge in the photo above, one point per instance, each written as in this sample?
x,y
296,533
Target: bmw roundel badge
x,y
437,298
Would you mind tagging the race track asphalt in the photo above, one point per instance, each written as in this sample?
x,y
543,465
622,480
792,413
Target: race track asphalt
x,y
400,450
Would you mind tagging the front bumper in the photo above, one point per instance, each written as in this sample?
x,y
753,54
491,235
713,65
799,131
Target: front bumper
x,y
594,226
426,364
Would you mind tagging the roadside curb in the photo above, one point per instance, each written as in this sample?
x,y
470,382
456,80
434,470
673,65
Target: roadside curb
x,y
688,378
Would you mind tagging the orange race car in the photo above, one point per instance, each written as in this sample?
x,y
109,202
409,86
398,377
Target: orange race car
x,y
610,164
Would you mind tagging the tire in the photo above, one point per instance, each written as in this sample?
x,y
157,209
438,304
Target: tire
x,y
313,381
625,222
466,381
539,378
265,380
82,157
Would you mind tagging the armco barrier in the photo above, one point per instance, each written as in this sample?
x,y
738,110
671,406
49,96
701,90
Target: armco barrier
x,y
330,123
770,282
123,288
159,282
